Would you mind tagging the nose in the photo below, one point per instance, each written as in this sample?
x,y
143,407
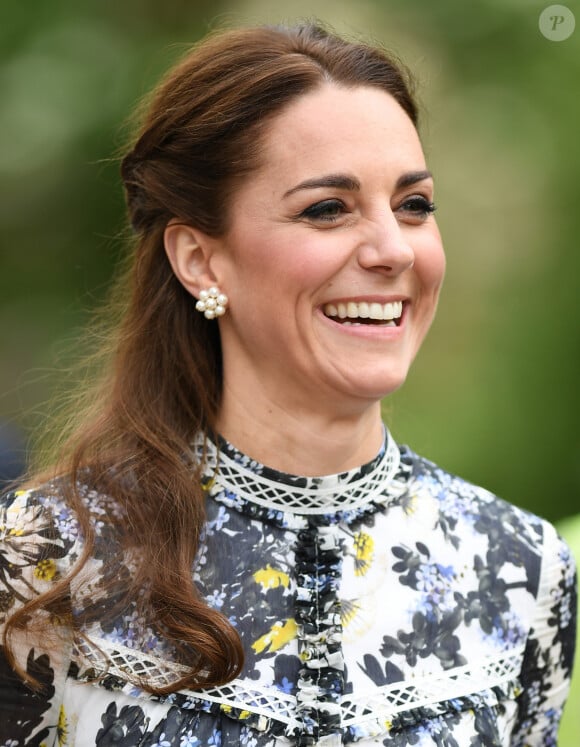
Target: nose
x,y
386,246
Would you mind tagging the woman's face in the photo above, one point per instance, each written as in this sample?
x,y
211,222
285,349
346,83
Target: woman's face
x,y
333,260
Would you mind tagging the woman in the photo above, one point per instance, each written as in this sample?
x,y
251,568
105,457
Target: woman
x,y
165,586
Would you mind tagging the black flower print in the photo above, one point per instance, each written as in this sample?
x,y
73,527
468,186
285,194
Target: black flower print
x,y
378,674
411,608
122,729
23,707
30,549
486,728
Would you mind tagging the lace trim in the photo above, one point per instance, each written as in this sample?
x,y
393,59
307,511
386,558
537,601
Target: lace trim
x,y
322,494
382,706
390,700
113,659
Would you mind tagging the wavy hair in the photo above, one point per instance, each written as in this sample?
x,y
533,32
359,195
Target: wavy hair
x,y
160,361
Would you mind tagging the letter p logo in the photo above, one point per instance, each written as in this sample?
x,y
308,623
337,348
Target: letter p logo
x,y
557,22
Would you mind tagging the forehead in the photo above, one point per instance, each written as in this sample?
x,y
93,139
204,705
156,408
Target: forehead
x,y
334,127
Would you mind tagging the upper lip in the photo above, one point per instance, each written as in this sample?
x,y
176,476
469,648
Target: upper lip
x,y
368,299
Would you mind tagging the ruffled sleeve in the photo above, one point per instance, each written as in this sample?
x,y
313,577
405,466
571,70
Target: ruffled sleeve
x,y
549,652
32,555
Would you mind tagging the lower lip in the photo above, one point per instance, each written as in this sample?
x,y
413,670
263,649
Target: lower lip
x,y
370,331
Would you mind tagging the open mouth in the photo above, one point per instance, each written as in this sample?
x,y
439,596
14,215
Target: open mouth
x,y
353,314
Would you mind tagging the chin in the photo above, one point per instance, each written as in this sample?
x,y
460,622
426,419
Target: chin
x,y
378,388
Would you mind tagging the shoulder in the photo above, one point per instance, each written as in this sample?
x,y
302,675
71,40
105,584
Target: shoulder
x,y
459,500
519,559
39,542
42,542
44,511
508,533
40,530
49,507
36,517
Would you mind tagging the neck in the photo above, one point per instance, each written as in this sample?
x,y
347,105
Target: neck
x,y
299,441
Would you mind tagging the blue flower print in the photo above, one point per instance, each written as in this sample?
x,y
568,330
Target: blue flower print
x,y
216,599
217,523
454,591
162,741
285,685
189,740
215,739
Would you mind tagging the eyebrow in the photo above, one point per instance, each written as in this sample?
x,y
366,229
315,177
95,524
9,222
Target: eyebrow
x,y
338,181
352,184
406,180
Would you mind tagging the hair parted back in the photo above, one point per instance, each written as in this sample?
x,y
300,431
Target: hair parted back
x,y
199,140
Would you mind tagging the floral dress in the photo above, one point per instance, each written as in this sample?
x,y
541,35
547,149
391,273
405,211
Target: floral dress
x,y
393,604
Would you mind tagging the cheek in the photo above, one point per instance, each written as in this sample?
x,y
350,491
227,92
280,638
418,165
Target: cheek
x,y
430,264
293,268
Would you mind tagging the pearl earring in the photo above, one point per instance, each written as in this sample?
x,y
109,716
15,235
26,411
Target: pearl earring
x,y
212,302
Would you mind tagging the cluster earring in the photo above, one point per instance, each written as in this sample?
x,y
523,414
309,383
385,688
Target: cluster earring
x,y
212,302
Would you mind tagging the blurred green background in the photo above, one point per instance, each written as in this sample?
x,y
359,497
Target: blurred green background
x,y
494,395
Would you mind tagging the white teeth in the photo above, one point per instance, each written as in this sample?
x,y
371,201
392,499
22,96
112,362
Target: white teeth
x,y
364,310
352,310
330,310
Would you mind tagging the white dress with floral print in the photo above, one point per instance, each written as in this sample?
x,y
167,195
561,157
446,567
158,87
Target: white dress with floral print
x,y
394,604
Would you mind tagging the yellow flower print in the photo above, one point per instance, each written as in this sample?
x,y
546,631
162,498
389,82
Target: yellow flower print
x,y
62,727
45,569
279,635
270,578
348,611
409,504
356,617
364,546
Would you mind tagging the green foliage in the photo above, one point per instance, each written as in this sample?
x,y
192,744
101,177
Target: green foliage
x,y
493,395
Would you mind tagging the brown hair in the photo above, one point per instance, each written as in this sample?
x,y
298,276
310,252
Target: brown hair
x,y
161,383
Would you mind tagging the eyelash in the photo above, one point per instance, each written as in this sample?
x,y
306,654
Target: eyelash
x,y
421,206
328,211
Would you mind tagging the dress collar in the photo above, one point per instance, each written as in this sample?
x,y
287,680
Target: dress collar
x,y
232,477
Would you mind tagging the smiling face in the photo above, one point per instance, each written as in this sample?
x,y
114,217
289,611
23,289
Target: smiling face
x,y
333,260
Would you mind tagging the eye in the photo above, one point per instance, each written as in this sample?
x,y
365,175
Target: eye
x,y
418,207
326,211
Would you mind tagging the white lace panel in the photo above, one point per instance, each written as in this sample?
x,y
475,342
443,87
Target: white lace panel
x,y
323,494
114,659
383,704
390,700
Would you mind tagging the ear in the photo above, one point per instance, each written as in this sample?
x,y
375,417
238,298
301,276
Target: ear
x,y
189,252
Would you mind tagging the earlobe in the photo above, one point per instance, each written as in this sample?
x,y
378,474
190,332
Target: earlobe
x,y
189,255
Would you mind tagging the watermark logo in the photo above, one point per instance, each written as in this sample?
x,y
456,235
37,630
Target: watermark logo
x,y
557,22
